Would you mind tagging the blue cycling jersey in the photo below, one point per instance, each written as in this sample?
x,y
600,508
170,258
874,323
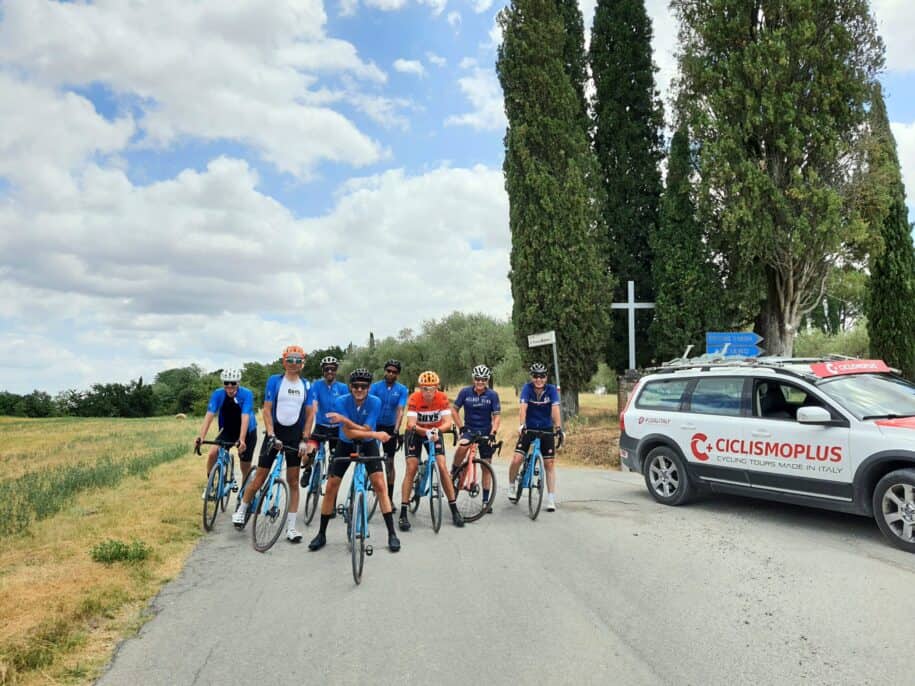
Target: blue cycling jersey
x,y
478,408
270,395
539,406
364,415
244,399
326,397
391,398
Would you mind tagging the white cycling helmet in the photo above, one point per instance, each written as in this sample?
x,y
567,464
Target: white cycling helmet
x,y
481,371
230,375
330,361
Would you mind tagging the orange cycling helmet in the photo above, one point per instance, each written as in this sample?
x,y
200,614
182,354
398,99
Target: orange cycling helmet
x,y
429,379
293,350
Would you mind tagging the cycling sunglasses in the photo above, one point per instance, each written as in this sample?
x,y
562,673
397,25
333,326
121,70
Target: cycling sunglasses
x,y
480,378
229,383
359,386
295,360
538,376
391,371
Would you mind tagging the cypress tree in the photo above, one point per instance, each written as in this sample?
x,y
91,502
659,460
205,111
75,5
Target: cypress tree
x,y
890,302
628,143
686,282
556,271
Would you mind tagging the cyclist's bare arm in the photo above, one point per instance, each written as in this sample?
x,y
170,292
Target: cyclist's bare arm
x,y
267,411
205,427
310,418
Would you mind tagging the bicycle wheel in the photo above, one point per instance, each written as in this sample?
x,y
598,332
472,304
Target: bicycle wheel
x,y
372,496
225,486
435,499
470,496
535,492
417,482
270,515
241,491
211,501
313,494
348,514
357,540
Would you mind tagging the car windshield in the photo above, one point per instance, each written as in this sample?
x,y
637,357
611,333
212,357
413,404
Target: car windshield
x,y
872,395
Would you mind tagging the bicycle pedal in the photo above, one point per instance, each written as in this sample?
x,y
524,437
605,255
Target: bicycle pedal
x,y
234,488
369,550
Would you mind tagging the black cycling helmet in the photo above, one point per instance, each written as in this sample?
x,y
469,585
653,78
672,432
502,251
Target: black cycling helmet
x,y
538,368
360,374
393,363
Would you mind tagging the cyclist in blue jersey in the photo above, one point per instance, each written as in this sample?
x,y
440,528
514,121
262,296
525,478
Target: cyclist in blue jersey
x,y
393,397
357,415
284,421
321,398
234,407
482,415
540,411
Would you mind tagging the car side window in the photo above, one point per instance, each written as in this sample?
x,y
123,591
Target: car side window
x,y
662,395
774,399
717,395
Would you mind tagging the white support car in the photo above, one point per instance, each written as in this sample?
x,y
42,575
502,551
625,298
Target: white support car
x,y
829,433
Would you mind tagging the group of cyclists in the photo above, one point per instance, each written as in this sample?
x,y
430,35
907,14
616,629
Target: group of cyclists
x,y
297,412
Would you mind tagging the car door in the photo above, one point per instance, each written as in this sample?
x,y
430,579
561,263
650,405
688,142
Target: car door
x,y
795,458
715,413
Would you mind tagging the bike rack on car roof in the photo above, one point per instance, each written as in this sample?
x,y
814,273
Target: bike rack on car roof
x,y
779,365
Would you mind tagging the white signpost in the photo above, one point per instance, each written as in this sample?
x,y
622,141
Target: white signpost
x,y
632,306
546,338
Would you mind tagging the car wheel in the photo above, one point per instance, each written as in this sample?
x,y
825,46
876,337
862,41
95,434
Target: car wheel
x,y
666,477
894,508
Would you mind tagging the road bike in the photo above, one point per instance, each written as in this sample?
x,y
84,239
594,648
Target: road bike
x,y
317,482
427,483
355,512
471,478
270,504
220,483
533,474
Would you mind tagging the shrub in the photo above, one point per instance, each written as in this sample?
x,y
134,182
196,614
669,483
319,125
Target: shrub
x,y
111,551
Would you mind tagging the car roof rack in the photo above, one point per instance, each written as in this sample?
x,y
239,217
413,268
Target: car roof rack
x,y
779,364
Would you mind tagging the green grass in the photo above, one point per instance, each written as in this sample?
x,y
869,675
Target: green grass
x,y
111,551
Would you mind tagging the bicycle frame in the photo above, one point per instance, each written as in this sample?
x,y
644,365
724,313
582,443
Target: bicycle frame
x,y
319,470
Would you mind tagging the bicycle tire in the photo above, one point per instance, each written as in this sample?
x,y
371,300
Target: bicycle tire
x,y
211,500
357,540
470,502
227,492
313,494
348,515
415,497
373,497
242,489
435,499
537,479
270,515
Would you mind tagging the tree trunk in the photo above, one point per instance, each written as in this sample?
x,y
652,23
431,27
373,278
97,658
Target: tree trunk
x,y
778,334
568,403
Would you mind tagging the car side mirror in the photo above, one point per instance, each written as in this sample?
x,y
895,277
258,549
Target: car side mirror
x,y
813,415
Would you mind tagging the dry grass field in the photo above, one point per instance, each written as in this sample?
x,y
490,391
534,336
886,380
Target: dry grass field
x,y
70,485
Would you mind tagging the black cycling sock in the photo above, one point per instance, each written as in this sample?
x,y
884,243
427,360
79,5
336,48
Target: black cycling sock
x,y
403,509
324,520
389,522
391,493
453,505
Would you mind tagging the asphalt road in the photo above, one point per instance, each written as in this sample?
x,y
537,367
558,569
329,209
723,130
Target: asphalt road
x,y
611,588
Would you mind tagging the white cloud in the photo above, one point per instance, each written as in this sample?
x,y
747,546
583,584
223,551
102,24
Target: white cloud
x,y
468,63
664,43
211,70
414,67
905,142
437,60
437,6
387,5
171,273
482,88
454,19
480,6
348,7
895,19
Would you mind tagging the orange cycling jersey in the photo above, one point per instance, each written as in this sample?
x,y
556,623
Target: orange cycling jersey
x,y
428,414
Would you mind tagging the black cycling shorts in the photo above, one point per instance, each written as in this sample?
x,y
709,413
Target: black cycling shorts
x,y
370,449
291,436
331,434
390,447
484,450
250,444
414,447
546,444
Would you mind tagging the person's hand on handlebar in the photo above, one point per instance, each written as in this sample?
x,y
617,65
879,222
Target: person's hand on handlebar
x,y
432,434
382,436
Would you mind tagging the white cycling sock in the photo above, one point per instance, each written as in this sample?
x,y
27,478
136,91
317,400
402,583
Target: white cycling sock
x,y
290,520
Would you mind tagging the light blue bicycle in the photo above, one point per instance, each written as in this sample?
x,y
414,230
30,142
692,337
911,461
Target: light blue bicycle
x,y
532,474
356,512
427,483
315,487
270,504
221,482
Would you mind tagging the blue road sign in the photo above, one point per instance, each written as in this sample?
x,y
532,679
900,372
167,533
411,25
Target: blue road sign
x,y
740,343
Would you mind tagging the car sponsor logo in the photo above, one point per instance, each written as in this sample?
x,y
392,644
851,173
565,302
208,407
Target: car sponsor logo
x,y
702,447
654,420
839,367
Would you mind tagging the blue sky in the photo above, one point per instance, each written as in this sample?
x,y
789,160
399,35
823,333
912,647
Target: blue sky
x,y
209,181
